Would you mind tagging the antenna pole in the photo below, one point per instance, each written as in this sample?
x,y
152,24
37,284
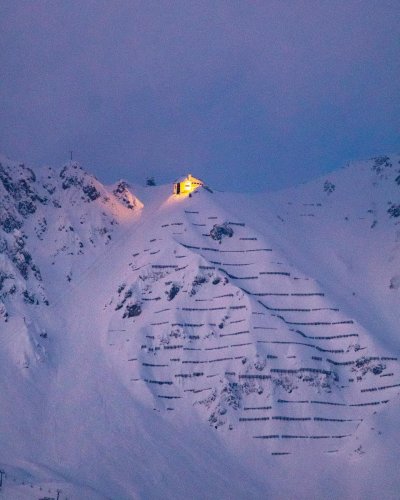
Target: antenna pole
x,y
70,155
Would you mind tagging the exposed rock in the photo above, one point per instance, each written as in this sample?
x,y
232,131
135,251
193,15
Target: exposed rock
x,y
220,231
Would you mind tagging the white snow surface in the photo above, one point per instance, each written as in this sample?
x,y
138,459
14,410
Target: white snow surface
x,y
221,345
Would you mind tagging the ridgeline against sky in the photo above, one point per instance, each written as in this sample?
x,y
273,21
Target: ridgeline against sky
x,y
273,93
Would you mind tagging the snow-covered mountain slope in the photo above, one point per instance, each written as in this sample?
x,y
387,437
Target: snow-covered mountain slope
x,y
207,346
344,229
52,225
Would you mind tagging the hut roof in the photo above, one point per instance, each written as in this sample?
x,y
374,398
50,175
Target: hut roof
x,y
181,179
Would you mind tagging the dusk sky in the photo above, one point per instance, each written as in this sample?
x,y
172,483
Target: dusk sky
x,y
246,95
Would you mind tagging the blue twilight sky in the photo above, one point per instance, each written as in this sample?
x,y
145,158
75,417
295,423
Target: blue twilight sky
x,y
248,95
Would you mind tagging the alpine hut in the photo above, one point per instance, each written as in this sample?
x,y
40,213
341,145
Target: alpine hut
x,y
186,185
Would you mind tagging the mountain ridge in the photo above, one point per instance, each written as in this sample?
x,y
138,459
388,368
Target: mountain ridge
x,y
202,318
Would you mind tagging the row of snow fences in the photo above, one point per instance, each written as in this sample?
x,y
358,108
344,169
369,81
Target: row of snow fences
x,y
153,365
329,337
159,382
167,266
218,348
372,358
253,419
298,419
235,264
163,396
382,388
273,273
247,250
340,363
291,309
314,323
291,436
335,351
306,401
300,370
189,325
371,403
238,277
201,309
172,224
257,376
210,249
252,408
197,391
242,332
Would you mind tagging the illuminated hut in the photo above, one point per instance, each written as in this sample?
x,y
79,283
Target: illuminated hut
x,y
186,185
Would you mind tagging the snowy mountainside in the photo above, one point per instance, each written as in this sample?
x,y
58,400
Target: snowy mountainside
x,y
221,319
52,223
344,229
211,343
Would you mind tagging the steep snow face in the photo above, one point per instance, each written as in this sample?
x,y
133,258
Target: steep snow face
x,y
211,315
52,224
212,343
344,229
